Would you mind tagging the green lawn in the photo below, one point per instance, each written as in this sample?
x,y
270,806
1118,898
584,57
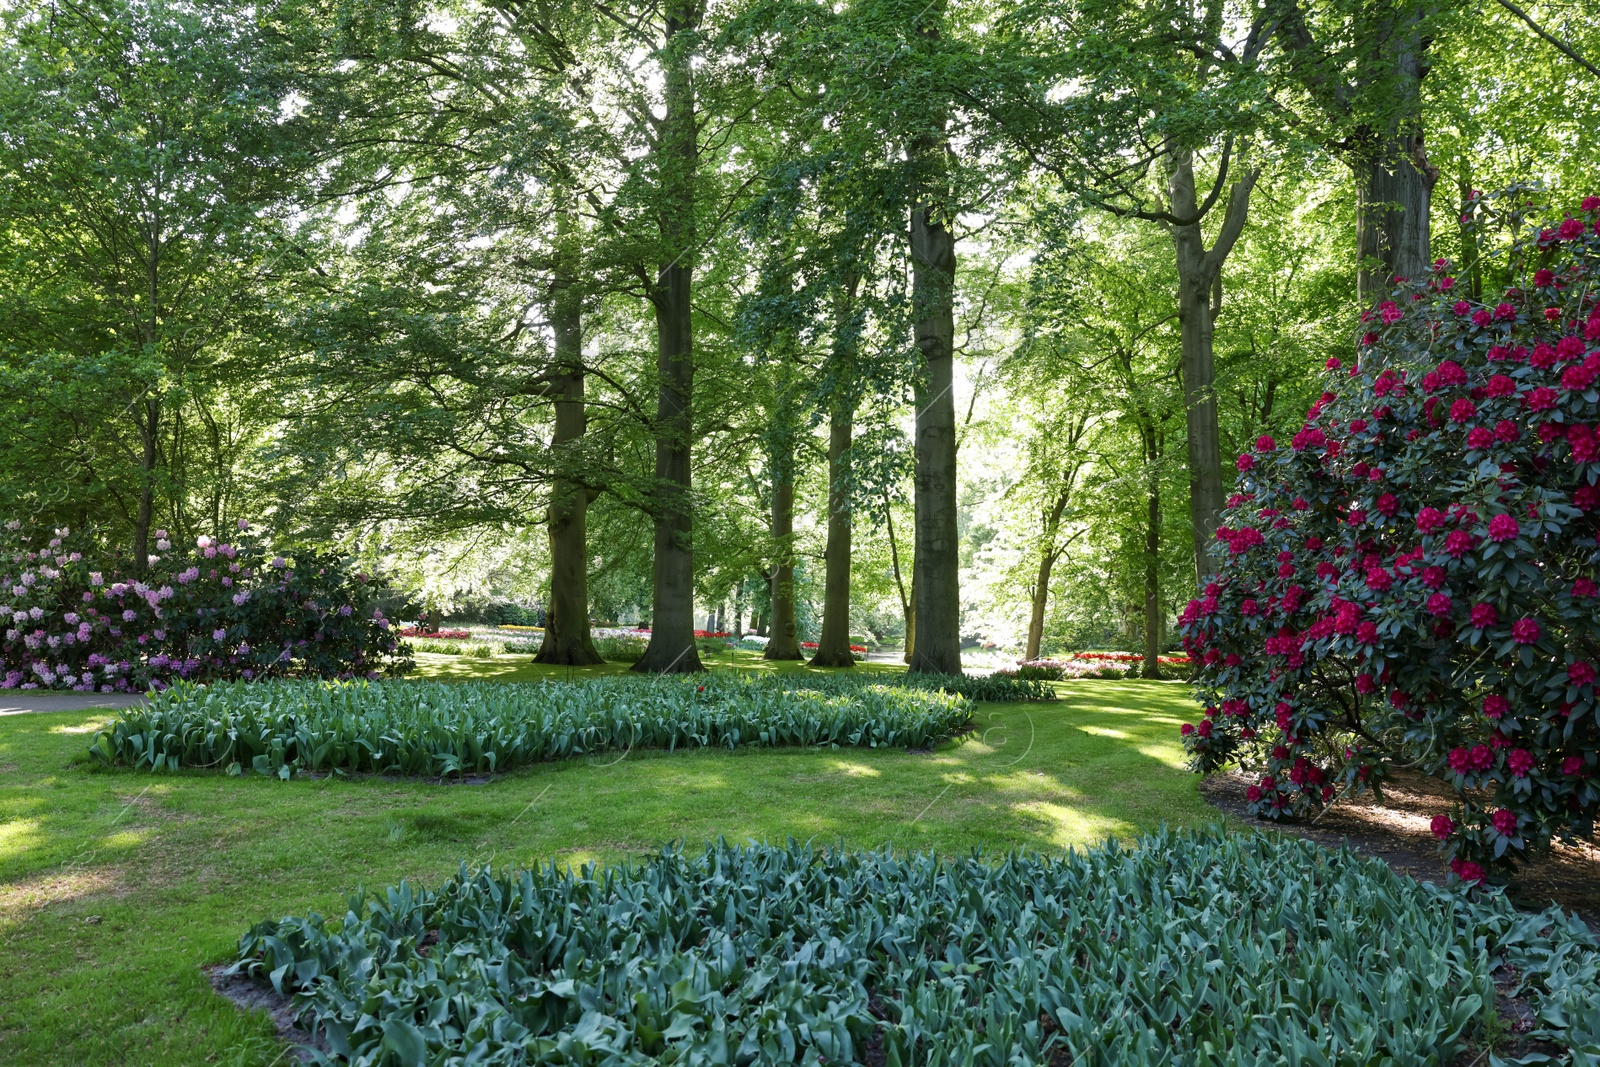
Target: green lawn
x,y
115,887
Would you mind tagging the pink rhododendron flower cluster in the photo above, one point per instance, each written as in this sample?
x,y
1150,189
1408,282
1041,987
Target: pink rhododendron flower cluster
x,y
77,615
1417,579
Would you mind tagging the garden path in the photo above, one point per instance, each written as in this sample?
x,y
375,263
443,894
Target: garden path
x,y
15,703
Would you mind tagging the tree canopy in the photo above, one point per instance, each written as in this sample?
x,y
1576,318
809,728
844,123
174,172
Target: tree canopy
x,y
929,324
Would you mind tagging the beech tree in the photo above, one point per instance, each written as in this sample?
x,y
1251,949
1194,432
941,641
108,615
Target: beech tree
x,y
145,178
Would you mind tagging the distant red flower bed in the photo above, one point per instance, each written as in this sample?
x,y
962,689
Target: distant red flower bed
x,y
1131,657
712,633
452,635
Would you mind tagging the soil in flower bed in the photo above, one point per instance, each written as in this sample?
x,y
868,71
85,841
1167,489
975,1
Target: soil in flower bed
x,y
250,994
1396,831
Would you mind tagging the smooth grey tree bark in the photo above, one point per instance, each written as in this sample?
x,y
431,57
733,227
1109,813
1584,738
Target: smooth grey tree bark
x,y
833,645
784,641
672,648
935,570
1199,303
567,638
1049,552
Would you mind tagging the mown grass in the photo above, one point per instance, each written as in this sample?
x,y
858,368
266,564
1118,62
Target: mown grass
x,y
116,887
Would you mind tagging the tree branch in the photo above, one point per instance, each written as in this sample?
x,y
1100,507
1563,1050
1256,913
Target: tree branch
x,y
1558,44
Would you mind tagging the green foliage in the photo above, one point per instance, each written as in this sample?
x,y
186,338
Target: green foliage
x,y
432,728
1272,949
987,688
145,170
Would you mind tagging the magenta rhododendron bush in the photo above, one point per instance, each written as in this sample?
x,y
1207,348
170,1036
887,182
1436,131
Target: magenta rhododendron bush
x,y
1413,579
76,616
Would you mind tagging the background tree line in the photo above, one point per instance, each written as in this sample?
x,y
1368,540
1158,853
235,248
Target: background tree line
x,y
938,320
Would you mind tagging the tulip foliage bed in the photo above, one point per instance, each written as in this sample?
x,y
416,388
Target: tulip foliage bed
x,y
1189,948
436,729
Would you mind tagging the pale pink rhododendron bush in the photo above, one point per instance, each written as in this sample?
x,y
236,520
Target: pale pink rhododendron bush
x,y
76,615
1413,579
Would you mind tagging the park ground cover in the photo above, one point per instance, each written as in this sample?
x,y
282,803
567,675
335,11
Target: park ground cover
x,y
116,887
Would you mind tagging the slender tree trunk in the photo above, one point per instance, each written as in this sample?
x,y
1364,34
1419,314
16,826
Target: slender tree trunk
x,y
1154,617
1048,553
1199,302
672,648
567,639
149,427
908,602
785,641
833,646
1471,255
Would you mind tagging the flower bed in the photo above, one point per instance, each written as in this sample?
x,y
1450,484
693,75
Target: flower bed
x,y
436,635
1131,657
1088,665
1267,947
78,618
436,729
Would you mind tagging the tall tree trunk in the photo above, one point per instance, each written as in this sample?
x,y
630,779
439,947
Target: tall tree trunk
x,y
567,639
785,641
833,646
936,567
672,648
936,574
1048,554
1199,302
1154,617
1394,196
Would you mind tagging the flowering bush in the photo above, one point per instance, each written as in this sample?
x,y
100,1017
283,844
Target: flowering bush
x,y
78,618
1415,576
